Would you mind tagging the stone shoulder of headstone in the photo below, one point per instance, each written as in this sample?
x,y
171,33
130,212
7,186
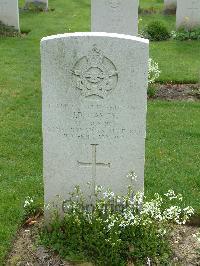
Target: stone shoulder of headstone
x,y
94,88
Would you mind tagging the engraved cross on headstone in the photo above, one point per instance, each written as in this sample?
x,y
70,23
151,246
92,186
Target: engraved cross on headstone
x,y
94,164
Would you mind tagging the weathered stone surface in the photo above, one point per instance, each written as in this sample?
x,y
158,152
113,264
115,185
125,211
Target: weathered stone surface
x,y
94,111
118,16
9,13
188,14
170,4
37,3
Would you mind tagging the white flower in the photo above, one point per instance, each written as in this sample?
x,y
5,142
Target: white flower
x,y
105,194
173,213
171,195
148,261
152,208
153,71
118,200
162,232
108,194
28,202
98,189
173,34
132,175
139,198
188,210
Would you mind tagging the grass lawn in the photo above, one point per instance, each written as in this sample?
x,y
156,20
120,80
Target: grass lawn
x,y
178,60
173,128
157,4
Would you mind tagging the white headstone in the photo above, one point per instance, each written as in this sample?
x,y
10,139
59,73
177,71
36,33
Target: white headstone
x,y
188,14
43,3
117,16
170,4
9,13
94,111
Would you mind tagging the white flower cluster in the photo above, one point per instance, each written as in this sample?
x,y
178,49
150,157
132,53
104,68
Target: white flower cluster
x,y
132,176
153,71
116,213
108,194
173,34
110,222
152,209
175,214
129,219
28,201
171,195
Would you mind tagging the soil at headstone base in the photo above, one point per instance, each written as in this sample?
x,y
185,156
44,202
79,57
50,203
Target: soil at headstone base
x,y
27,251
178,92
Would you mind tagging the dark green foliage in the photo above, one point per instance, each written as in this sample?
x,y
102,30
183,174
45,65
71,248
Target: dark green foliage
x,y
151,92
36,6
111,236
25,31
184,35
73,236
156,31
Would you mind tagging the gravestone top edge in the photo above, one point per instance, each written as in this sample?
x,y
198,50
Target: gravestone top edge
x,y
95,34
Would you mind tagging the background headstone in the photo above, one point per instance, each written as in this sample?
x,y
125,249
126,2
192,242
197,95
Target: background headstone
x,y
117,16
94,111
37,3
9,13
188,14
170,4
